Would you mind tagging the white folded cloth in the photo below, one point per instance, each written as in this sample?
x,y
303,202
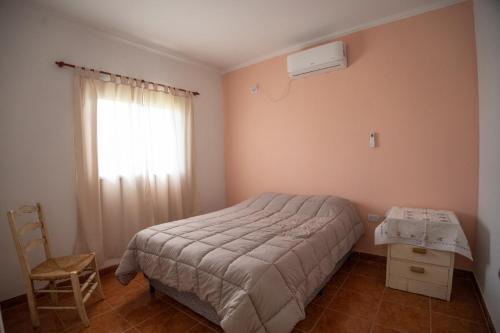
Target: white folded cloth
x,y
433,229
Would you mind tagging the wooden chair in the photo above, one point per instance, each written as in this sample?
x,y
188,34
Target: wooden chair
x,y
55,270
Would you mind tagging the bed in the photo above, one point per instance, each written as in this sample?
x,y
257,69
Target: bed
x,y
252,267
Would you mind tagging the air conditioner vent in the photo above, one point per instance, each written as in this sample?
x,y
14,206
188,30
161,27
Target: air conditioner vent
x,y
318,59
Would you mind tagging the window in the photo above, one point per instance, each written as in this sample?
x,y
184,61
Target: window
x,y
135,140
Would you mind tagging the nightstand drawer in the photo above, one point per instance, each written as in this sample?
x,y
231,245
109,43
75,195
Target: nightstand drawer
x,y
419,287
420,272
418,254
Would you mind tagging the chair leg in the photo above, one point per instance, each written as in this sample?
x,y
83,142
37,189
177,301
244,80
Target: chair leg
x,y
75,283
53,296
97,277
35,319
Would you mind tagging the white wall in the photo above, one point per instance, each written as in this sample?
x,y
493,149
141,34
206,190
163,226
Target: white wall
x,y
487,268
36,133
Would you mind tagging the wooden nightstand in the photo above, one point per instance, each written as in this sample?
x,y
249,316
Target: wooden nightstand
x,y
420,270
421,249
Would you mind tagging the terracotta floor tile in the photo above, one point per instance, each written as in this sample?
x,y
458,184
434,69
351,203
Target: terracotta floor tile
x,y
132,330
354,255
115,292
404,318
463,274
111,286
356,304
365,285
17,319
372,257
348,265
370,269
139,278
406,298
109,322
183,308
444,323
458,307
15,315
171,320
313,312
349,303
463,290
94,307
161,296
200,328
338,279
324,298
335,322
193,315
49,322
139,305
212,326
382,329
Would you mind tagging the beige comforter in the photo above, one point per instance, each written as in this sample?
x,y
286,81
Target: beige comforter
x,y
256,262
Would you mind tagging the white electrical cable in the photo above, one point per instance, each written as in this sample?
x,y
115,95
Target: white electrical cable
x,y
282,96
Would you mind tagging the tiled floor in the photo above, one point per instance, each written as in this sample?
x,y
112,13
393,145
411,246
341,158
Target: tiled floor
x,y
355,300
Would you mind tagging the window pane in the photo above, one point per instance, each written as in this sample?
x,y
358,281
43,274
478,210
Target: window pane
x,y
134,140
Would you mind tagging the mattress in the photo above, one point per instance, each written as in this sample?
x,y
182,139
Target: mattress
x,y
256,263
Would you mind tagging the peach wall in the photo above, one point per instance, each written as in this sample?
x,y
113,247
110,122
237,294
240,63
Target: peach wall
x,y
412,81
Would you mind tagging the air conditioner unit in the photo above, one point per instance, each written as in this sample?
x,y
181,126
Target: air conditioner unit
x,y
320,59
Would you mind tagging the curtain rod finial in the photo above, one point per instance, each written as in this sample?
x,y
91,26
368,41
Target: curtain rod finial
x,y
60,63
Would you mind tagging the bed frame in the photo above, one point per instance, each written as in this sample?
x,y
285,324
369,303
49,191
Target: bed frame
x,y
206,310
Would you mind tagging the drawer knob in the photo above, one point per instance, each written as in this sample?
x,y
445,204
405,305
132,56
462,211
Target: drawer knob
x,y
419,250
416,269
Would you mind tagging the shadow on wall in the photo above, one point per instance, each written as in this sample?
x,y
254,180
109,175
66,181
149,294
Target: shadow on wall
x,y
483,234
355,50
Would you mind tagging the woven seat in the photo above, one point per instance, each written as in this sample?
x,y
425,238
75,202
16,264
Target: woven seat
x,y
61,267
81,270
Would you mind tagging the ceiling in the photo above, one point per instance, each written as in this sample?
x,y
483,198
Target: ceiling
x,y
227,34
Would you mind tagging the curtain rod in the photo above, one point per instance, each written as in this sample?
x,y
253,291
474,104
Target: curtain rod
x,y
62,64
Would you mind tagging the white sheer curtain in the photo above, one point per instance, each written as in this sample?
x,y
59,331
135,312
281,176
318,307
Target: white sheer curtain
x,y
134,150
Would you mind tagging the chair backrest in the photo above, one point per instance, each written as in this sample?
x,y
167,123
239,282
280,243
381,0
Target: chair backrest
x,y
18,233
